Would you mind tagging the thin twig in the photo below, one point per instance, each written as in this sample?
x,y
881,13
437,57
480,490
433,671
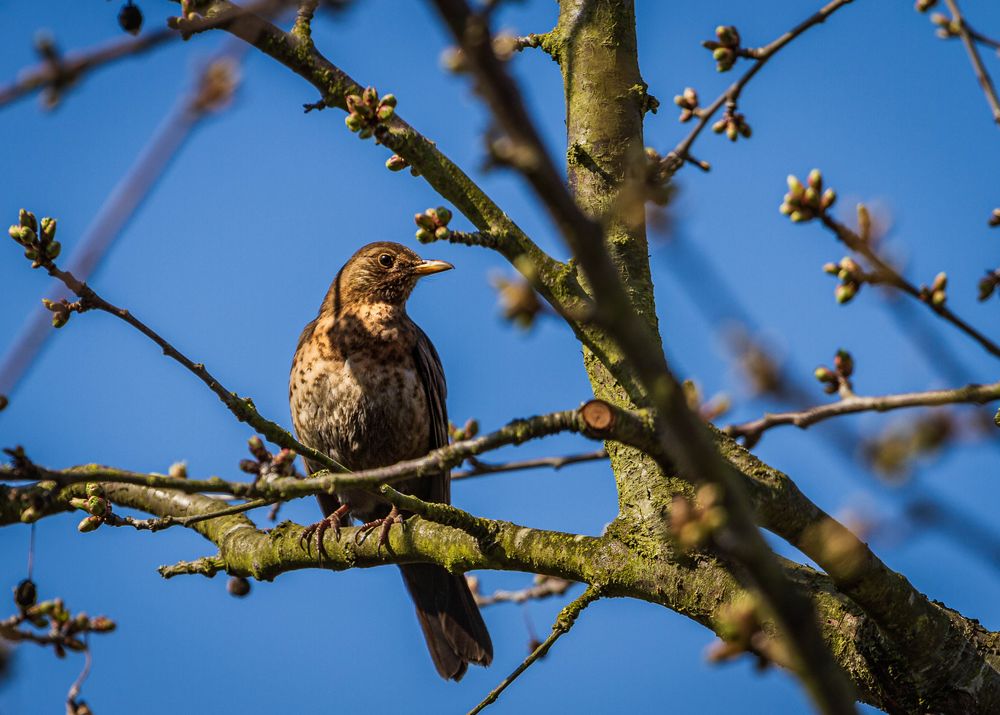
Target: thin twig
x,y
567,617
165,522
886,274
675,159
753,430
480,468
985,81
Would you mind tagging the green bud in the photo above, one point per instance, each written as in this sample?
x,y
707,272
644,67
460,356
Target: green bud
x,y
48,228
720,126
731,131
370,97
810,196
442,232
727,34
785,209
59,319
384,112
425,221
938,298
27,219
940,281
53,250
94,489
30,515
424,235
354,121
795,187
88,524
396,163
845,292
353,101
97,506
365,133
443,215
388,100
102,624
824,374
831,268
799,216
828,199
815,179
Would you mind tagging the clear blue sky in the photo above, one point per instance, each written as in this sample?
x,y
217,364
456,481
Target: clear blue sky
x,y
232,253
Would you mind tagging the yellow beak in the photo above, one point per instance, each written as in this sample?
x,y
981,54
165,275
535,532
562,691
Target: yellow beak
x,y
428,267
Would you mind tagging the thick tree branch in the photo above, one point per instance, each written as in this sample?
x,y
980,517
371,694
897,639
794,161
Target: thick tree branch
x,y
681,431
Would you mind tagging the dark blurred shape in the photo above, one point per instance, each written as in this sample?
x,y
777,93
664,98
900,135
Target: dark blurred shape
x,y
130,18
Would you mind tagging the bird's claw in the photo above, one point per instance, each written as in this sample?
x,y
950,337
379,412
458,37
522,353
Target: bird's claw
x,y
318,529
383,525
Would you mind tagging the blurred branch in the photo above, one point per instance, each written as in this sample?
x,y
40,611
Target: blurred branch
x,y
681,153
852,403
211,92
969,40
679,430
56,73
564,621
543,587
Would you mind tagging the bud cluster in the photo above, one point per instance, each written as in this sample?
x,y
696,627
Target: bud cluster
x,y
95,504
740,630
65,628
806,202
734,125
988,285
467,431
726,49
266,464
366,111
851,278
61,310
692,524
688,102
40,247
433,224
839,378
947,27
935,294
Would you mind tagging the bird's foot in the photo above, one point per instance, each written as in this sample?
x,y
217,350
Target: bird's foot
x,y
383,525
320,527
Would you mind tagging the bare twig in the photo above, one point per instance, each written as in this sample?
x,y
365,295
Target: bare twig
x,y
681,153
969,40
851,404
567,617
479,468
165,522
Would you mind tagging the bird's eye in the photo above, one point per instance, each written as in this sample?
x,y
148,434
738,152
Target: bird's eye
x,y
385,260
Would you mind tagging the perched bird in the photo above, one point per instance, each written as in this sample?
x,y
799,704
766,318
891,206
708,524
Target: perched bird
x,y
367,388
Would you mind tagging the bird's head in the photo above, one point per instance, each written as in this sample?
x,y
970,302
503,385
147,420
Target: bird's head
x,y
382,272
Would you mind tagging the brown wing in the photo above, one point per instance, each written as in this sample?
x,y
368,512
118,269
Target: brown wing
x,y
431,373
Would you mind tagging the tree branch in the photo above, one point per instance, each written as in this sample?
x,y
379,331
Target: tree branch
x,y
753,430
969,40
564,621
681,153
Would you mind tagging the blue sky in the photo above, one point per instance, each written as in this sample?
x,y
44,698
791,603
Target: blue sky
x,y
233,252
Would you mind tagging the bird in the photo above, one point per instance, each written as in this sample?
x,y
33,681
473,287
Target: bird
x,y
367,388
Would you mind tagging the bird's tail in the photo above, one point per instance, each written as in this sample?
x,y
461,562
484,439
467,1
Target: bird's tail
x,y
452,625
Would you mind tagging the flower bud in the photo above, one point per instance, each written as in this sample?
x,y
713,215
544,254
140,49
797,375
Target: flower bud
x,y
27,219
388,100
845,292
396,163
370,97
442,232
443,214
815,179
423,235
94,489
97,506
238,586
88,524
354,121
828,199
